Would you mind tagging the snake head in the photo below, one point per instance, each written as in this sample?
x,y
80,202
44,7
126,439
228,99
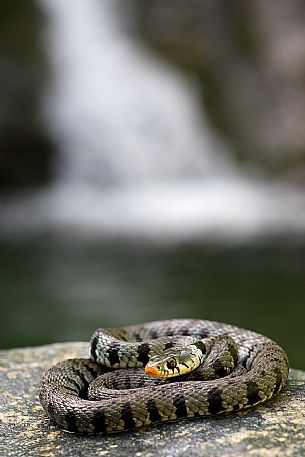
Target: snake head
x,y
173,362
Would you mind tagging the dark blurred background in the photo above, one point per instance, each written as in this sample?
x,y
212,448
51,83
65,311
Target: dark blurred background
x,y
152,165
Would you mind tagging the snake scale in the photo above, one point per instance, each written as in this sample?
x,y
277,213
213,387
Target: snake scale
x,y
79,400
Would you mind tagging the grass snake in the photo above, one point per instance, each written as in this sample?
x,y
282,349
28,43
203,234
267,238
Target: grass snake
x,y
241,369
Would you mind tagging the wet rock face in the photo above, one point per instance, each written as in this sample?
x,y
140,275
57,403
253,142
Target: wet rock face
x,y
25,148
278,428
248,59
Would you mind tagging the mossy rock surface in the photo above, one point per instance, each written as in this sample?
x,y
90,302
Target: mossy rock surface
x,y
275,429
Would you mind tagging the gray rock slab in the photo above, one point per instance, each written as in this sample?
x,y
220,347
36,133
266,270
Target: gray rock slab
x,y
275,429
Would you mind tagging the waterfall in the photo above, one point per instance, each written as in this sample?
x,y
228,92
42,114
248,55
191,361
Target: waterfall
x,y
119,115
137,156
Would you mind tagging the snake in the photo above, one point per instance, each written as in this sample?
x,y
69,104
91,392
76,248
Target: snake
x,y
166,370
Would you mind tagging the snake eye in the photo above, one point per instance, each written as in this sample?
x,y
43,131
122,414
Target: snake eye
x,y
171,364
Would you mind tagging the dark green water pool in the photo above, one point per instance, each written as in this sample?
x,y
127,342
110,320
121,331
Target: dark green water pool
x,y
59,290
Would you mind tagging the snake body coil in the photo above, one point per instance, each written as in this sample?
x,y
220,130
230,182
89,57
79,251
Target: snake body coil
x,y
126,399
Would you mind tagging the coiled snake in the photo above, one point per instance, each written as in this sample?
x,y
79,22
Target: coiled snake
x,y
78,400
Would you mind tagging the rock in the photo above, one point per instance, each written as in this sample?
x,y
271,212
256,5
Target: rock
x,y
26,150
275,429
246,58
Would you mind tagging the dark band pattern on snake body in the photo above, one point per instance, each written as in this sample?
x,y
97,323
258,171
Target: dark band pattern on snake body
x,y
67,388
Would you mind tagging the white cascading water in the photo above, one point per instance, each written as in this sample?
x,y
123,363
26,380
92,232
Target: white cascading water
x,y
136,156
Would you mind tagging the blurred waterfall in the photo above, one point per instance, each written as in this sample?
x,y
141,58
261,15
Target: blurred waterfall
x,y
137,157
119,116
